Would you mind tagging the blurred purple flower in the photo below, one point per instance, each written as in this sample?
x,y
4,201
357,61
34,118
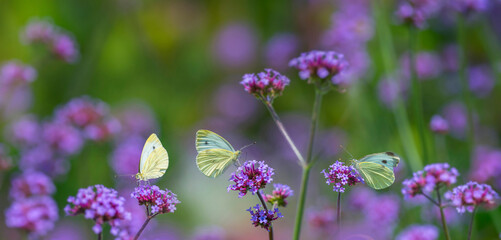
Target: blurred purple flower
x,y
102,205
262,218
322,220
25,131
265,85
13,73
279,195
456,115
160,201
64,47
14,101
252,175
31,183
68,231
432,177
62,138
391,90
82,112
136,119
319,64
450,58
486,164
419,232
481,80
427,65
209,233
340,175
38,31
235,45
439,125
416,12
36,215
382,210
232,104
469,6
126,155
280,49
103,131
471,195
43,159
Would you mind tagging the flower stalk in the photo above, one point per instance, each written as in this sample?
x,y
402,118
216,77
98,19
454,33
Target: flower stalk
x,y
442,215
270,232
470,229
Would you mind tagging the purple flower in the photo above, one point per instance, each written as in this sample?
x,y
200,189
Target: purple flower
x,y
31,183
416,12
160,201
427,65
252,175
279,195
486,164
471,195
62,138
481,81
235,45
469,6
136,119
265,85
418,232
382,210
38,31
322,220
35,215
391,90
319,64
102,205
439,125
280,48
14,73
42,158
432,177
124,159
456,115
25,131
262,218
340,176
64,47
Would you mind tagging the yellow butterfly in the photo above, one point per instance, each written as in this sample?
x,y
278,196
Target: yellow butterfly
x,y
154,160
214,153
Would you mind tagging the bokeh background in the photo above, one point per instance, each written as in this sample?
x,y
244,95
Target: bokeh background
x,y
173,67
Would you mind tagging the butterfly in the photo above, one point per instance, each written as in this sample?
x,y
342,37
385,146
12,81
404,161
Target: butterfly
x,y
214,153
377,169
154,160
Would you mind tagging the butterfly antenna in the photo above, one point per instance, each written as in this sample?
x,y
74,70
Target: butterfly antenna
x,y
246,146
341,146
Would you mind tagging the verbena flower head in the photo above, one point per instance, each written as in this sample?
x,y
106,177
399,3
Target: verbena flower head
x,y
100,204
419,232
25,131
251,176
36,215
38,31
31,183
471,195
266,85
470,6
160,201
340,175
427,65
62,138
439,125
433,176
416,12
319,66
279,195
64,47
262,218
14,73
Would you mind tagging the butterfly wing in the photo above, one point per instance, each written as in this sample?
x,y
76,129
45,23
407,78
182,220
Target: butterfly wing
x,y
213,162
154,159
210,140
375,175
387,159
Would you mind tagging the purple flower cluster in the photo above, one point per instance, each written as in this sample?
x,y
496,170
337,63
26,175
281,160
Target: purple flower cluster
x,y
481,81
251,176
486,164
439,125
160,201
419,232
102,205
36,215
471,195
426,64
31,183
416,12
279,195
320,65
263,218
392,89
470,6
340,175
25,131
265,85
14,73
432,177
322,219
62,138
61,44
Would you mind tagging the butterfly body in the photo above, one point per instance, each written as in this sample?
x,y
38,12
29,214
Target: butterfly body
x,y
377,169
154,160
214,153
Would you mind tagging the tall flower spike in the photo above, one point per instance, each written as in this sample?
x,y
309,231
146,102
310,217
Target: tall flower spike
x,y
251,176
279,195
265,85
467,197
339,176
319,66
262,218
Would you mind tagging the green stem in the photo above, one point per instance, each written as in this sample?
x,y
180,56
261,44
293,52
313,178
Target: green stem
x,y
302,199
470,229
492,48
338,215
463,74
416,93
442,215
314,122
270,232
282,129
